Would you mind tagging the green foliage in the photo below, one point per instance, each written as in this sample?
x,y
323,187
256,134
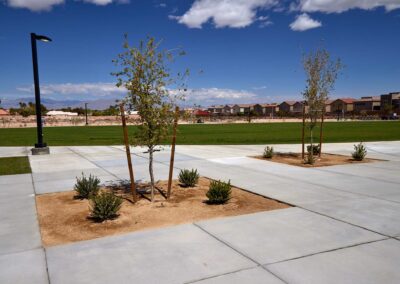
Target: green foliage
x,y
148,79
105,206
316,149
27,109
268,152
359,152
188,178
87,186
219,192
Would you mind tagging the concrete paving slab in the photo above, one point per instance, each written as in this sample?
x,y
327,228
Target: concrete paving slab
x,y
28,267
70,174
19,228
13,151
254,276
298,193
59,162
15,179
278,235
371,263
374,214
13,190
367,171
173,255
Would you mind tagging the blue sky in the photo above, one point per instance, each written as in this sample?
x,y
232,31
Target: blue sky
x,y
248,50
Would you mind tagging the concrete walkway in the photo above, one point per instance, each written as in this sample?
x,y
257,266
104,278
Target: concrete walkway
x,y
345,227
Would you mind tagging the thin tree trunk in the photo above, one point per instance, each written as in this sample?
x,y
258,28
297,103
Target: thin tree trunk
x,y
128,153
171,162
302,132
320,135
151,150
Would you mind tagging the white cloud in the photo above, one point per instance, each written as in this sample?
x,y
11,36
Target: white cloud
x,y
34,5
208,96
339,6
47,5
303,22
223,13
82,89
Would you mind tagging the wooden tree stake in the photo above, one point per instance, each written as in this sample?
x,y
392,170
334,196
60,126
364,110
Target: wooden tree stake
x,y
320,135
171,162
302,131
128,153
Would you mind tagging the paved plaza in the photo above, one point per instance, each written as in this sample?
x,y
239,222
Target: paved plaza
x,y
344,226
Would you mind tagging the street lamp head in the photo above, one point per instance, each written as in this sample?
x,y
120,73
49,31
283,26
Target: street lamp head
x,y
42,38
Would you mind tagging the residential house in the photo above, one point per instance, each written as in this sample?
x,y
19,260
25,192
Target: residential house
x,y
286,106
269,109
298,107
328,104
367,104
391,101
4,112
342,105
219,109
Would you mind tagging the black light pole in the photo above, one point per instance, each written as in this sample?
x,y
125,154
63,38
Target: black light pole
x,y
86,113
40,146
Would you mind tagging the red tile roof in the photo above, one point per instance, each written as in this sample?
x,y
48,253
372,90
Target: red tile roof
x,y
4,112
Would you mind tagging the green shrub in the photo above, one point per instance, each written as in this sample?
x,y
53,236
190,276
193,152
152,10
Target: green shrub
x,y
316,149
104,206
87,186
268,152
188,178
359,152
219,192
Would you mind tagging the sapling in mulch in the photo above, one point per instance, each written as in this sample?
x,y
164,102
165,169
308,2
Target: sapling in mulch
x,y
268,152
105,206
359,152
219,192
86,187
310,159
188,178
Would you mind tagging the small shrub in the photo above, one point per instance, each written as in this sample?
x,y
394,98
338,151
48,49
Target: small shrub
x,y
359,152
87,186
105,206
188,178
316,149
268,152
219,192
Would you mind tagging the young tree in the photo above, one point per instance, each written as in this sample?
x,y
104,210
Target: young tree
x,y
321,73
147,77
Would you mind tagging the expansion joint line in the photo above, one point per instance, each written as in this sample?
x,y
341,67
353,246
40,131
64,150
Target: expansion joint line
x,y
237,251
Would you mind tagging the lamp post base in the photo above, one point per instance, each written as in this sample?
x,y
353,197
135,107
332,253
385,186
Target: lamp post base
x,y
40,151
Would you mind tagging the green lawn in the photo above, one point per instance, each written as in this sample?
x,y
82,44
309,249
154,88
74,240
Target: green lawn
x,y
14,166
203,134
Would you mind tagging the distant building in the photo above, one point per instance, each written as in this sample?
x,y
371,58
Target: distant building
x,y
219,109
342,105
269,109
391,102
61,113
4,112
367,104
286,106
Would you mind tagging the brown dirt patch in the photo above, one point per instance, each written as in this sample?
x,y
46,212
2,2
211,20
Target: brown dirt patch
x,y
325,160
63,219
